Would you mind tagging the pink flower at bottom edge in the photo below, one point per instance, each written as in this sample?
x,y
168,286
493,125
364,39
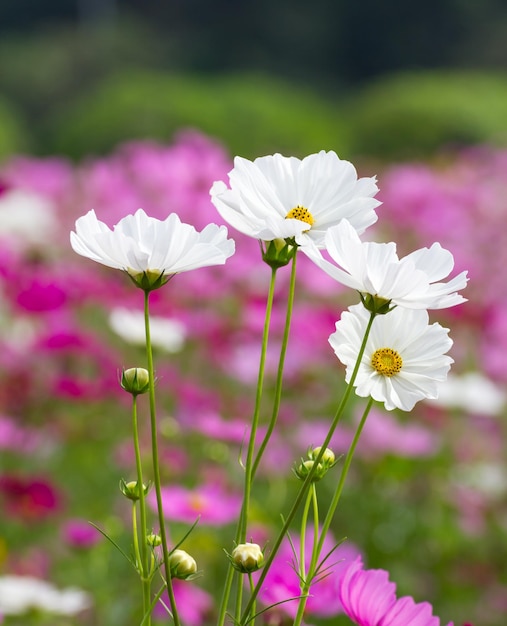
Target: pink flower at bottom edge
x,y
194,604
369,599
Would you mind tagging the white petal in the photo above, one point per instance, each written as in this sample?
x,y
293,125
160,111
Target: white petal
x,y
436,262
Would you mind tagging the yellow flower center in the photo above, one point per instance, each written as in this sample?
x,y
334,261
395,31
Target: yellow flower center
x,y
300,213
386,361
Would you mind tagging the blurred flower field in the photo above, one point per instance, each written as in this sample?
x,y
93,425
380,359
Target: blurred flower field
x,y
427,494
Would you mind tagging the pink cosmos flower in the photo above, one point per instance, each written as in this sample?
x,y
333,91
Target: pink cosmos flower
x,y
18,438
28,499
210,503
194,604
369,599
282,581
78,533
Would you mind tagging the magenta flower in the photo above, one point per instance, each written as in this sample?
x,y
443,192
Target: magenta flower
x,y
18,438
369,599
28,499
282,582
211,504
194,604
79,533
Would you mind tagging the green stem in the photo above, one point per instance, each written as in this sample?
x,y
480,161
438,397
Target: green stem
x,y
143,556
251,585
304,487
239,596
302,538
243,519
135,539
307,577
281,363
241,538
343,475
156,462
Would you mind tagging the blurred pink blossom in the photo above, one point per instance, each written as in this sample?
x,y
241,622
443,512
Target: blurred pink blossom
x,y
212,504
18,438
28,499
282,582
382,434
79,533
194,604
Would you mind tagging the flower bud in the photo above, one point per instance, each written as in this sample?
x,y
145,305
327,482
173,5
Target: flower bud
x,y
328,458
153,540
135,380
247,557
182,564
130,490
305,467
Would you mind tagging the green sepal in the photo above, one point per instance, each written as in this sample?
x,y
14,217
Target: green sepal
x,y
278,252
149,280
376,304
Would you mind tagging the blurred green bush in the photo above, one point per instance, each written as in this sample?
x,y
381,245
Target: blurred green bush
x,y
412,115
251,114
13,135
84,89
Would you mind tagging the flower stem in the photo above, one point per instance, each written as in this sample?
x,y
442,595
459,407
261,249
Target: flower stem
x,y
304,487
143,552
343,476
241,537
281,363
306,577
155,460
239,597
243,519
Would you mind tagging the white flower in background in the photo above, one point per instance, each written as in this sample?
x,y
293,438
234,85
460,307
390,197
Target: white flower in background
x,y
404,359
473,393
147,247
374,269
19,594
276,197
26,218
167,334
489,479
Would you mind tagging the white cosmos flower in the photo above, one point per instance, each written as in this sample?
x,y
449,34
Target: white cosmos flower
x,y
474,393
277,197
140,244
26,218
375,269
19,594
404,359
167,334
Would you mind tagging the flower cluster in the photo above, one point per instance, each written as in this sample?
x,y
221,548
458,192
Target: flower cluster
x,y
319,203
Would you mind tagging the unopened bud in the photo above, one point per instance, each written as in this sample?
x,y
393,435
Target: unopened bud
x,y
247,557
182,564
131,490
135,380
305,467
328,458
153,540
